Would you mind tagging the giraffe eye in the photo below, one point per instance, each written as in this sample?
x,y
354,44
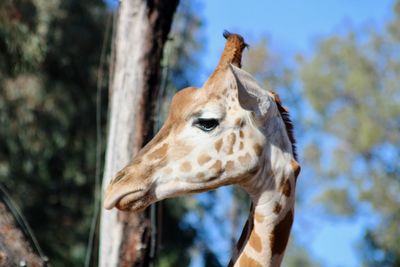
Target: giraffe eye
x,y
206,125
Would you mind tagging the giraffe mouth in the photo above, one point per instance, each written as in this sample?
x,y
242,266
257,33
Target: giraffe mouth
x,y
134,200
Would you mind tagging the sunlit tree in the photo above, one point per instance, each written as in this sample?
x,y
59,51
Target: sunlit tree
x,y
352,83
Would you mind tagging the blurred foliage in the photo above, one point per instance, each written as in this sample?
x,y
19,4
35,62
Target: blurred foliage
x,y
24,26
352,83
268,67
49,55
176,237
298,256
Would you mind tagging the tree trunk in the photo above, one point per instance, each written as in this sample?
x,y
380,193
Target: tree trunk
x,y
14,249
142,29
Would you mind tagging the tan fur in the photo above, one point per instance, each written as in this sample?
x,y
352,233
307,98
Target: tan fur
x,y
258,217
258,149
182,148
159,152
203,159
245,159
183,103
218,145
200,175
167,171
217,167
186,167
241,146
230,166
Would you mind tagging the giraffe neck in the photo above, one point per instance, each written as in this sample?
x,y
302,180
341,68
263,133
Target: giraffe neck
x,y
267,230
270,219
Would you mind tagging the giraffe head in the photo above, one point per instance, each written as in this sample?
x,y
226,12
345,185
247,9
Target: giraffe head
x,y
213,136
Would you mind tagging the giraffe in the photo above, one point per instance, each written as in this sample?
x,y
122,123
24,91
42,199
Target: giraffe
x,y
230,131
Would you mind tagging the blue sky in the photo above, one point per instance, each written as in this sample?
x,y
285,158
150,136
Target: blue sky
x,y
293,27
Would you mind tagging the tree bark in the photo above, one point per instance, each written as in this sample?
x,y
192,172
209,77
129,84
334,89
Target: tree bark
x,y
14,249
142,29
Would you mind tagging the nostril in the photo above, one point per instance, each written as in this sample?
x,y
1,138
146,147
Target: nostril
x,y
118,177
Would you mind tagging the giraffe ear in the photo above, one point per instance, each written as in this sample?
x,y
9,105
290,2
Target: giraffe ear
x,y
251,96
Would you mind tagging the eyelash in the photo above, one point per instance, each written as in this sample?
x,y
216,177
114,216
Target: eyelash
x,y
206,125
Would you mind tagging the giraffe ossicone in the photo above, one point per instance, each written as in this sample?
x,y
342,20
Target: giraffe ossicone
x,y
230,131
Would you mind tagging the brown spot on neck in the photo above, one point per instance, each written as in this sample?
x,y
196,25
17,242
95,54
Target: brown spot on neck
x,y
280,235
246,261
296,168
255,241
286,188
277,208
